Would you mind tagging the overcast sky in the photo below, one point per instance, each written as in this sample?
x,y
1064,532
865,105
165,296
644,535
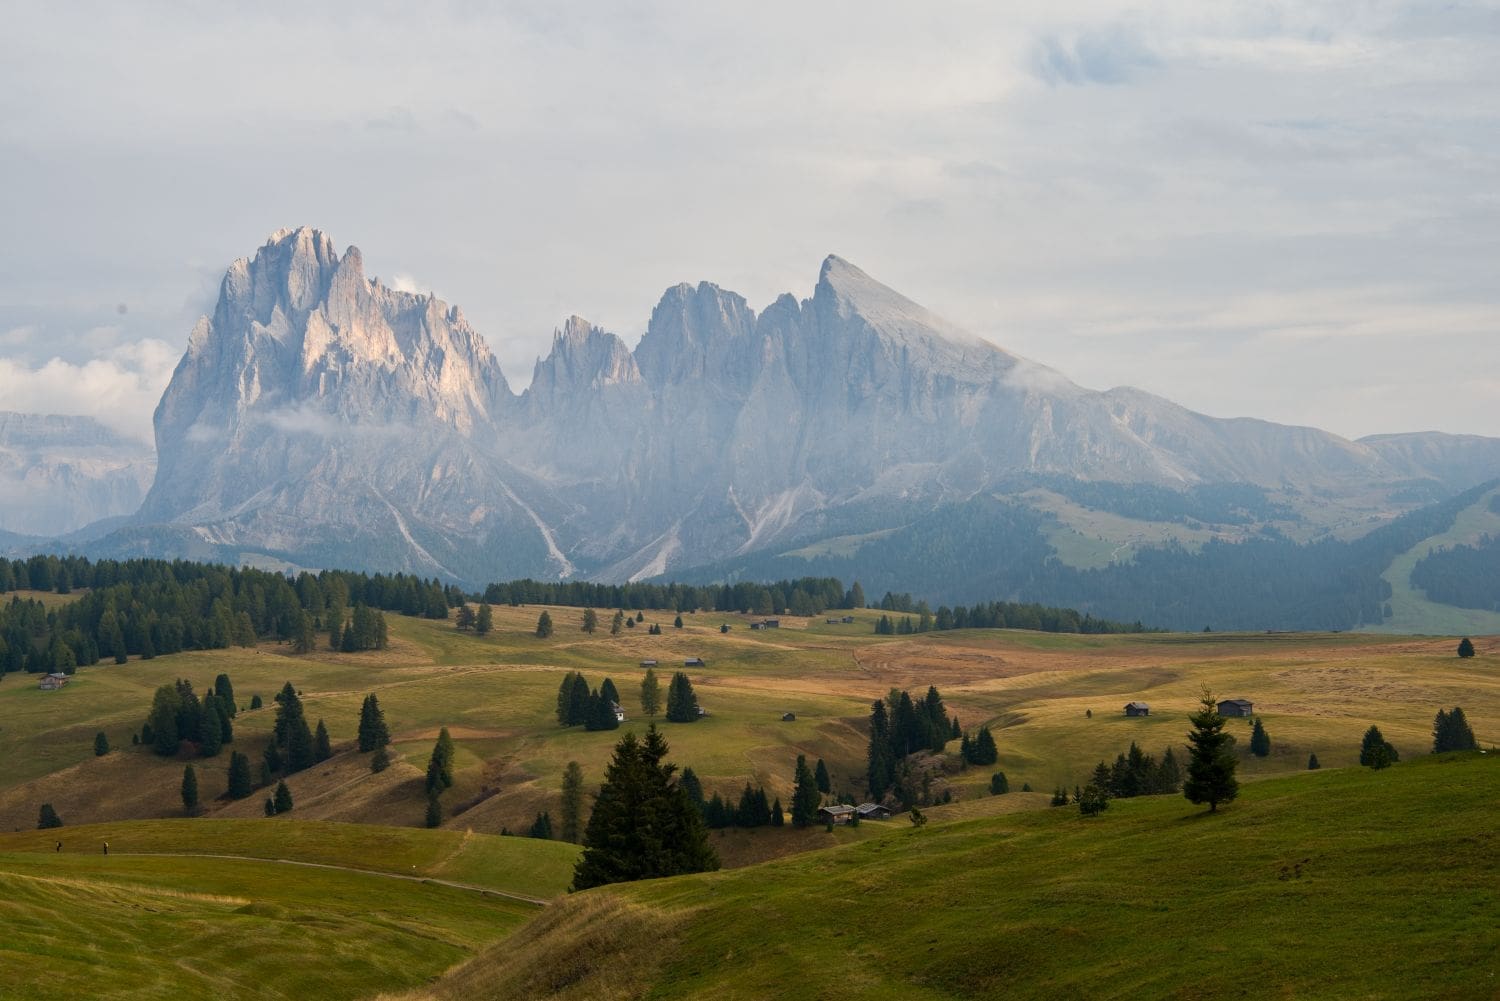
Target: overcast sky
x,y
1282,210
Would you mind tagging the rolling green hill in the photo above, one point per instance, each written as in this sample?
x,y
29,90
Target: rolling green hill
x,y
1336,884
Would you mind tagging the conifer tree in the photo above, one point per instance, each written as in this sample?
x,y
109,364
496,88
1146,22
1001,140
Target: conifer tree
x,y
682,703
101,744
210,728
1451,732
609,692
1375,752
189,791
778,815
440,764
373,733
805,797
691,787
820,777
984,750
590,623
255,702
1211,760
544,625
541,827
1465,647
1168,774
464,620
305,637
571,814
224,691
1092,800
47,818
880,762
283,798
677,622
163,720
484,621
650,693
1312,762
380,760
643,825
999,785
322,749
434,816
240,785
617,623
1260,742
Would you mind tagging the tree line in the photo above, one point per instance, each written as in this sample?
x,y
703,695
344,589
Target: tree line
x,y
1465,576
802,596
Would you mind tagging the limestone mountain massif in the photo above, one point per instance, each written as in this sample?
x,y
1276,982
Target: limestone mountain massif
x,y
321,418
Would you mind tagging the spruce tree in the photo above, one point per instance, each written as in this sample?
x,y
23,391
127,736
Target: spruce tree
x,y
434,817
322,749
778,815
1092,800
1465,647
1451,732
224,690
999,785
189,791
210,729
571,813
305,638
283,798
380,760
101,744
47,818
880,762
682,703
643,825
484,621
373,733
163,720
617,623
590,623
820,776
240,784
1375,752
541,827
543,626
650,693
464,620
609,692
440,764
255,702
677,622
1211,760
984,750
1312,762
1260,742
805,798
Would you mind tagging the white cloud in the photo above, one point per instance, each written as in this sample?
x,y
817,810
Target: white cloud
x,y
120,389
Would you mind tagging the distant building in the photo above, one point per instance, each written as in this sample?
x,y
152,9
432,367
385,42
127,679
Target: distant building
x,y
838,814
873,811
766,624
700,711
832,622
648,663
52,682
1236,707
1137,709
618,710
694,662
847,619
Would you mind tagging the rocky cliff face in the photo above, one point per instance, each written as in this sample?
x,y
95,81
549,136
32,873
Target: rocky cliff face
x,y
322,417
58,474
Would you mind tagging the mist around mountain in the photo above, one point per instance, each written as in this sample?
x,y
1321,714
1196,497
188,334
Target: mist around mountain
x,y
58,474
319,418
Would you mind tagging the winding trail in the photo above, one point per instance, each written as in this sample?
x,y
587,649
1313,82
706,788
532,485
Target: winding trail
x,y
432,880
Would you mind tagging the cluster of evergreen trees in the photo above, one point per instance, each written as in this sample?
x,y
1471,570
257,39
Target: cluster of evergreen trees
x,y
177,715
979,750
908,726
1136,773
1451,732
480,622
802,596
593,709
148,608
993,615
1466,576
754,809
1375,751
293,747
644,825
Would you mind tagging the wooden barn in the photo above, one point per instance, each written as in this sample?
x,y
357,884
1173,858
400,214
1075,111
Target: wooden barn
x,y
1236,707
1137,709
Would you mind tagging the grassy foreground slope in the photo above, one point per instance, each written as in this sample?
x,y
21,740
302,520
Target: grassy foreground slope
x,y
1333,884
167,914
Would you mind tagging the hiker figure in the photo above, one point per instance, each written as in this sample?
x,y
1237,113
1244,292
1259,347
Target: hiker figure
x,y
106,847
59,847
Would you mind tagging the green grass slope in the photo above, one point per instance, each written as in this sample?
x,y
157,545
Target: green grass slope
x,y
1411,611
319,910
1334,884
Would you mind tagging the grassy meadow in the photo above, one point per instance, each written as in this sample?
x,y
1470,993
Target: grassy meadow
x,y
1315,693
269,909
1334,884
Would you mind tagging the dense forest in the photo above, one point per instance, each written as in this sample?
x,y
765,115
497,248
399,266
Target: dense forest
x,y
151,607
1466,576
1207,503
803,596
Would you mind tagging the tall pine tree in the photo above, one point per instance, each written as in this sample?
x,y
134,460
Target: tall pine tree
x,y
1211,761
